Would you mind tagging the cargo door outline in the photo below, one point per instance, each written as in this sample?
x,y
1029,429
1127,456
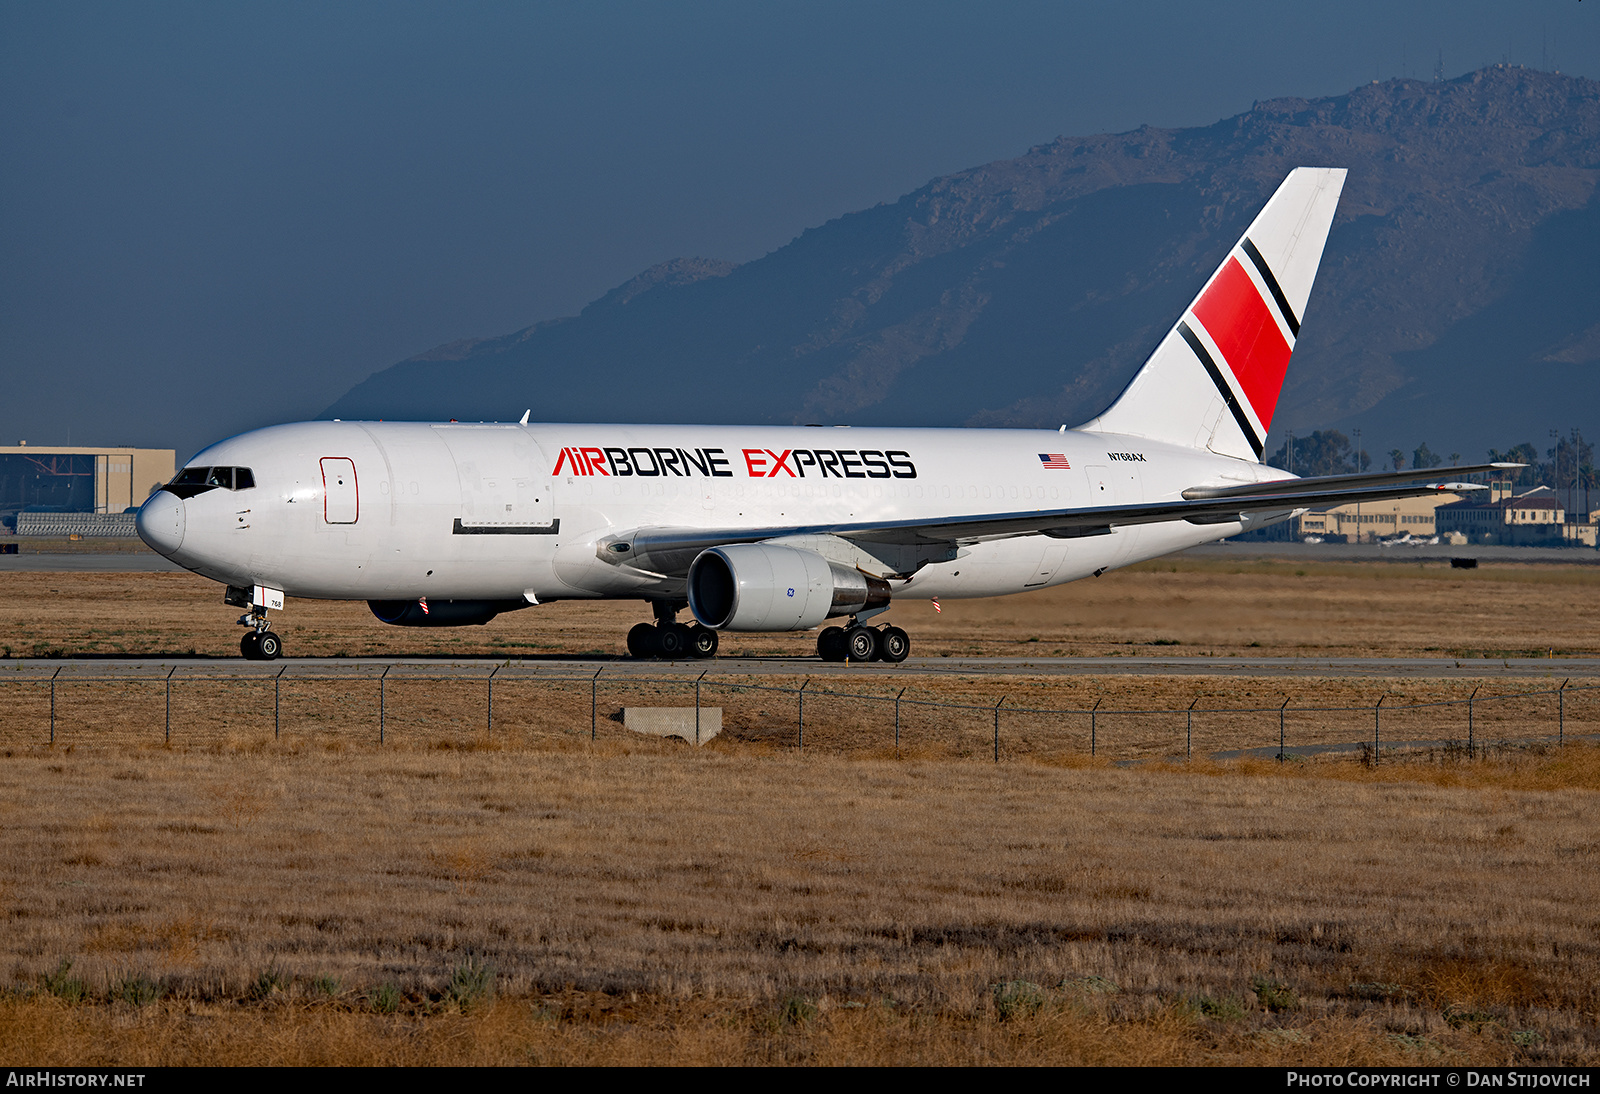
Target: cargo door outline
x,y
341,498
502,492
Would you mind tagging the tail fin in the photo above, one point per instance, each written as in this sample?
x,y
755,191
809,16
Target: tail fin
x,y
1214,380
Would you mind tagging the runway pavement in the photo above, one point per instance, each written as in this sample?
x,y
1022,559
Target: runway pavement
x,y
131,562
1583,669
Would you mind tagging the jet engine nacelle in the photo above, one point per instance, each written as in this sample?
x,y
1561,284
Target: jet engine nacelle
x,y
441,613
762,587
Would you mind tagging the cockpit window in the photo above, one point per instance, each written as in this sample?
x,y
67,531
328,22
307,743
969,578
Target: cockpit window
x,y
197,480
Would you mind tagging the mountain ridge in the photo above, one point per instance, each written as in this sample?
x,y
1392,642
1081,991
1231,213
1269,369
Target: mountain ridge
x,y
1027,291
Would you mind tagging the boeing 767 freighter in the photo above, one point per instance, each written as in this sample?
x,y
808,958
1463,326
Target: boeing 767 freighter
x,y
775,528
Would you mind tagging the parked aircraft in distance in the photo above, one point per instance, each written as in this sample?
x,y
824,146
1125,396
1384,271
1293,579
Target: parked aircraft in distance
x,y
776,529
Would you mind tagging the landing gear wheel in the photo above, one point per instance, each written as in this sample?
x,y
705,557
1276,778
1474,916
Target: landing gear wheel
x,y
261,646
672,641
642,640
861,643
702,641
894,645
830,644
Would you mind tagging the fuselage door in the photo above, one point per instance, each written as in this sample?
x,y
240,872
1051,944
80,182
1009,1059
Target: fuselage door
x,y
1055,553
341,502
1102,487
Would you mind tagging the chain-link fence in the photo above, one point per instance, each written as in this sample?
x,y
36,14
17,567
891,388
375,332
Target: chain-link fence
x,y
977,716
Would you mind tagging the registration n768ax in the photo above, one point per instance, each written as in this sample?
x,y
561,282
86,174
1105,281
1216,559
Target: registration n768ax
x,y
775,529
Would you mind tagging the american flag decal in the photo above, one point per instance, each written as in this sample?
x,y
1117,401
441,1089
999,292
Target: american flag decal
x,y
1054,461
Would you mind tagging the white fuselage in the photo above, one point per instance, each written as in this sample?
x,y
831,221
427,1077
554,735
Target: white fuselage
x,y
501,512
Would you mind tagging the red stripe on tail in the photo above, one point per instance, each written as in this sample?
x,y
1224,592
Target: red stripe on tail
x,y
1243,328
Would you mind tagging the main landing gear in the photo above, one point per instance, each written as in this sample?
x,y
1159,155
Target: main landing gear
x,y
670,640
859,642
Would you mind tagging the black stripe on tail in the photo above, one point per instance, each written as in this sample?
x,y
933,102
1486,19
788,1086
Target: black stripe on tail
x,y
1272,286
1223,389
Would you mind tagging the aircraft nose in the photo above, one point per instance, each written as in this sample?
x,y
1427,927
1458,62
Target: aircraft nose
x,y
160,522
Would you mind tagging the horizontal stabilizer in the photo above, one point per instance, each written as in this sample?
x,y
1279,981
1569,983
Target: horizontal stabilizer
x,y
1284,487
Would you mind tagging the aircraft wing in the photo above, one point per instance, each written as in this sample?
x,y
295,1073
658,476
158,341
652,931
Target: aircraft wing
x,y
670,551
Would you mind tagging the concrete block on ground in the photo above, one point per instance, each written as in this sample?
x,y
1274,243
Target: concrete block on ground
x,y
674,722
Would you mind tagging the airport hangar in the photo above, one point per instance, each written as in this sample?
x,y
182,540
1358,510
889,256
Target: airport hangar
x,y
63,490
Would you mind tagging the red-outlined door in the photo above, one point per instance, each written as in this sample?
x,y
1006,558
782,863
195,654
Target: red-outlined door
x,y
341,502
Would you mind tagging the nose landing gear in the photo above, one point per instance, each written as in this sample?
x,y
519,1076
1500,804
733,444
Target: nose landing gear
x,y
260,644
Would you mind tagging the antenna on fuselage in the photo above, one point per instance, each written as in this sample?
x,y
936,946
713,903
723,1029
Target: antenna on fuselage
x,y
525,413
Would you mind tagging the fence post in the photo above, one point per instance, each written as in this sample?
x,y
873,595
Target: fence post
x,y
1561,713
53,702
800,727
277,721
382,700
1280,730
997,728
489,720
1377,714
170,671
1094,724
594,689
897,723
697,680
1188,745
1470,698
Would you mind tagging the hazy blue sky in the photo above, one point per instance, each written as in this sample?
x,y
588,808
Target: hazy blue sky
x,y
217,216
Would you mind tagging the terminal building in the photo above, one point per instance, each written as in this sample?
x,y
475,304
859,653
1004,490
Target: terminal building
x,y
1375,520
56,490
1535,518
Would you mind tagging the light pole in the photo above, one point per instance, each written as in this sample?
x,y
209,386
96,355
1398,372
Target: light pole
x,y
1290,469
1555,465
1359,529
1577,461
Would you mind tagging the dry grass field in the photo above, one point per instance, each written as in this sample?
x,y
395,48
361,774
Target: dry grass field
x,y
646,903
525,895
1192,607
